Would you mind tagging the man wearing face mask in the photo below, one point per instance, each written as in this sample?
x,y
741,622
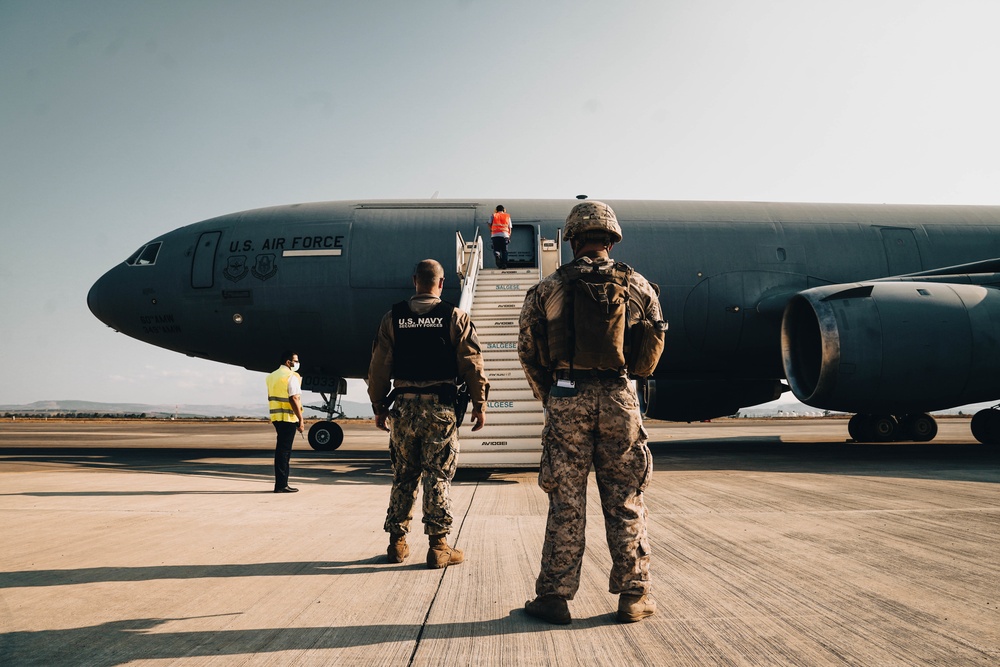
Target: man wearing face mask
x,y
284,397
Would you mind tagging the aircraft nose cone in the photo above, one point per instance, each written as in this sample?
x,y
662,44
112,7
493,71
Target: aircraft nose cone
x,y
102,299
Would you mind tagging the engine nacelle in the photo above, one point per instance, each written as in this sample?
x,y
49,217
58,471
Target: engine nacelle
x,y
697,400
895,347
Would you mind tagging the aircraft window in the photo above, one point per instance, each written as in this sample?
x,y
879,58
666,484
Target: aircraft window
x,y
134,256
144,256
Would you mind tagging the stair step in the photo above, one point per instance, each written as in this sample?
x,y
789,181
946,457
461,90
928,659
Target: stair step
x,y
496,308
496,417
499,347
471,442
511,370
504,405
493,273
498,305
495,340
494,334
500,431
513,375
506,383
494,355
500,458
511,364
493,320
508,395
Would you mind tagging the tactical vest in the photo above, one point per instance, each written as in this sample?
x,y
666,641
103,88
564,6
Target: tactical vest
x,y
590,334
277,395
423,350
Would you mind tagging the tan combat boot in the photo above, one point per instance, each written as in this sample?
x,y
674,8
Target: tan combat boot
x,y
635,607
550,608
398,548
440,554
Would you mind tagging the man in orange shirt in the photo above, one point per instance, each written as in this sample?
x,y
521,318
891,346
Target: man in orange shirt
x,y
500,235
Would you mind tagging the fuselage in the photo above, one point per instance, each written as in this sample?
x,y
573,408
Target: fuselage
x,y
318,277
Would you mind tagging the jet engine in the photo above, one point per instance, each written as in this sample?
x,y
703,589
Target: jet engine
x,y
894,347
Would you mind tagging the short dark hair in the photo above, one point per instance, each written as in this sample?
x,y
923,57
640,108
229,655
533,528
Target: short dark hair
x,y
500,208
287,355
427,272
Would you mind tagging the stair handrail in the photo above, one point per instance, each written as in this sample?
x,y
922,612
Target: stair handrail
x,y
471,262
459,255
538,250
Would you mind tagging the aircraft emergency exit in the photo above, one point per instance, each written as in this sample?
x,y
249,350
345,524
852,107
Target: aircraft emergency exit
x,y
889,312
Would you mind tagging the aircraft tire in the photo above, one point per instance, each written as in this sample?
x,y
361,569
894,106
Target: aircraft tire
x,y
325,436
862,428
986,426
919,427
884,427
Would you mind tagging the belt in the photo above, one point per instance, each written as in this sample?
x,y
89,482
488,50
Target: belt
x,y
418,397
588,374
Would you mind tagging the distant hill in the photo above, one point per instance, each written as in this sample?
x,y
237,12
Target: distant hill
x,y
352,410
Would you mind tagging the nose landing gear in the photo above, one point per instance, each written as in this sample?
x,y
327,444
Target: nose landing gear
x,y
326,435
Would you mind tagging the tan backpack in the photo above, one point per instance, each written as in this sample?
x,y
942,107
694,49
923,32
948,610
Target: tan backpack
x,y
594,332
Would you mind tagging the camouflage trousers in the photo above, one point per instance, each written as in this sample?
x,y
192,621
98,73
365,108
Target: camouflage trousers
x,y
600,426
423,445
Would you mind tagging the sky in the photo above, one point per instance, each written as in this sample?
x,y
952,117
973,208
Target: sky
x,y
122,120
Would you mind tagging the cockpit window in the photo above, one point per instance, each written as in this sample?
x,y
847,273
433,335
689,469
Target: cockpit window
x,y
144,256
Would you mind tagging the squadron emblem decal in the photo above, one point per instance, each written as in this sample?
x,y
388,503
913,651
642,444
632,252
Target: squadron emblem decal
x,y
265,267
236,268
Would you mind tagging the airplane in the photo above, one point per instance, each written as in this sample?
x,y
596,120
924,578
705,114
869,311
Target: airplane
x,y
886,311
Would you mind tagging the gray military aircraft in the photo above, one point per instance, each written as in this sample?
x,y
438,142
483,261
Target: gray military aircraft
x,y
889,312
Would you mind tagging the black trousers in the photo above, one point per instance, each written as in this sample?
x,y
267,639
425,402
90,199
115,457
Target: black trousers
x,y
283,451
500,250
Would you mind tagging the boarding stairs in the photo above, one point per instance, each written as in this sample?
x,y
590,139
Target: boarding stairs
x,y
514,418
512,436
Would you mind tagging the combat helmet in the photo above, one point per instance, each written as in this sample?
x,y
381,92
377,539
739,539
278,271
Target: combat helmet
x,y
592,216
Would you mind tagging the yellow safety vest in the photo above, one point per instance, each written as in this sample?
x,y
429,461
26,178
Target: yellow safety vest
x,y
277,395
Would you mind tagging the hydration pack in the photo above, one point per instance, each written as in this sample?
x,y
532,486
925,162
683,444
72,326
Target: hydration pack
x,y
595,330
591,331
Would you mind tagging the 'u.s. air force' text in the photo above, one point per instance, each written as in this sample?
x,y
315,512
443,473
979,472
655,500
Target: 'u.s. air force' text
x,y
419,322
295,243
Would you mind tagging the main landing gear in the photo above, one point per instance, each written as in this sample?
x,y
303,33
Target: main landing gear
x,y
327,435
986,426
919,427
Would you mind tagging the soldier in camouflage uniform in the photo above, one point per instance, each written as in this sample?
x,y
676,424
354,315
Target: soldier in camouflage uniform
x,y
424,346
592,418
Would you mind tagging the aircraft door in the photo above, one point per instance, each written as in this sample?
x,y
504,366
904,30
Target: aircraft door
x,y
901,252
522,248
203,264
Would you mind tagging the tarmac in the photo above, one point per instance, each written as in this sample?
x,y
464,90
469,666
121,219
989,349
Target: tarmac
x,y
774,542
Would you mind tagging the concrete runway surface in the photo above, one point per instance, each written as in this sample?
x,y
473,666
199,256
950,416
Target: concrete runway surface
x,y
775,542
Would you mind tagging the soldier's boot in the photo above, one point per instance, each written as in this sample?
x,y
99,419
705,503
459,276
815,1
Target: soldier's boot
x,y
550,608
398,548
635,607
441,555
